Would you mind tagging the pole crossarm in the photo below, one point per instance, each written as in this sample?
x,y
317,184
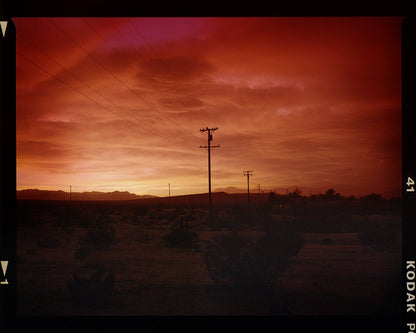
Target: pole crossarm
x,y
217,146
207,129
248,173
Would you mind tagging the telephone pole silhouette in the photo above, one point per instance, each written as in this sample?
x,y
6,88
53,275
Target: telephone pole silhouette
x,y
258,196
209,147
169,196
248,173
70,192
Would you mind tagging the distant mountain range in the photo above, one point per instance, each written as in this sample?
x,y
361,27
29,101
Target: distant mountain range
x,y
35,194
231,189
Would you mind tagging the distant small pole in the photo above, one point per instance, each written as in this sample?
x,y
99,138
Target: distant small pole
x,y
70,192
169,194
258,196
248,173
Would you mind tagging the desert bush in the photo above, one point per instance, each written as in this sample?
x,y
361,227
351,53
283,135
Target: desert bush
x,y
324,223
147,222
152,213
50,243
96,290
31,251
182,239
82,253
327,241
180,236
99,236
221,218
248,263
381,239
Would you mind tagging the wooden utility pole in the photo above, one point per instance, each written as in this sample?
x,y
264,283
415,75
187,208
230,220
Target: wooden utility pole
x,y
248,173
169,196
209,147
258,196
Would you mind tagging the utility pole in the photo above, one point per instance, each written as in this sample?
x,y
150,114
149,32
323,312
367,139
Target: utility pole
x,y
248,173
209,147
258,196
70,192
169,195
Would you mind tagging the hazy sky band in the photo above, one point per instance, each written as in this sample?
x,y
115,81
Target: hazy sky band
x,y
117,103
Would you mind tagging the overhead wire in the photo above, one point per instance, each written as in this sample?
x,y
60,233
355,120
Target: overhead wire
x,y
154,51
116,50
62,81
112,74
83,94
204,114
93,89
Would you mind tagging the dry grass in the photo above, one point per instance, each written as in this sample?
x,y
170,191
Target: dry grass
x,y
337,277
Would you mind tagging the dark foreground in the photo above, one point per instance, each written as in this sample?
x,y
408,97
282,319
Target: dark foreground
x,y
140,259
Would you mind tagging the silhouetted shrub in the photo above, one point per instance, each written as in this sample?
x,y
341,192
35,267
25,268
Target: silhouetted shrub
x,y
248,263
99,236
181,239
381,239
96,290
223,253
50,243
82,253
31,251
327,241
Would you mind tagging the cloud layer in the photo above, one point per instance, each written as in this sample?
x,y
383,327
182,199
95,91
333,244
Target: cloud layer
x,y
117,104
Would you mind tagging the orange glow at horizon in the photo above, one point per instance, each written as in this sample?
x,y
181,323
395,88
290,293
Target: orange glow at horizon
x,y
116,104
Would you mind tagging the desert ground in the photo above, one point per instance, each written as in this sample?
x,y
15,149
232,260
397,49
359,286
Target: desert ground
x,y
347,261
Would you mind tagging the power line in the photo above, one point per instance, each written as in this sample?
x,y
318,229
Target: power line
x,y
112,74
63,82
154,52
209,147
93,89
83,94
136,49
157,54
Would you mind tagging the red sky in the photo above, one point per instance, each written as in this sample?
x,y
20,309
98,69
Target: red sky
x,y
106,104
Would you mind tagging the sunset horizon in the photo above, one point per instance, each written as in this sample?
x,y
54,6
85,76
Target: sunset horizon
x,y
117,104
302,192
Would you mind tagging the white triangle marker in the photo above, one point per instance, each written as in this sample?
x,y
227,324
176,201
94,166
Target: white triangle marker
x,y
4,267
3,25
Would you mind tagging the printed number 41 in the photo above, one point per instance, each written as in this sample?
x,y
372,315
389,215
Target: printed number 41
x,y
410,181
